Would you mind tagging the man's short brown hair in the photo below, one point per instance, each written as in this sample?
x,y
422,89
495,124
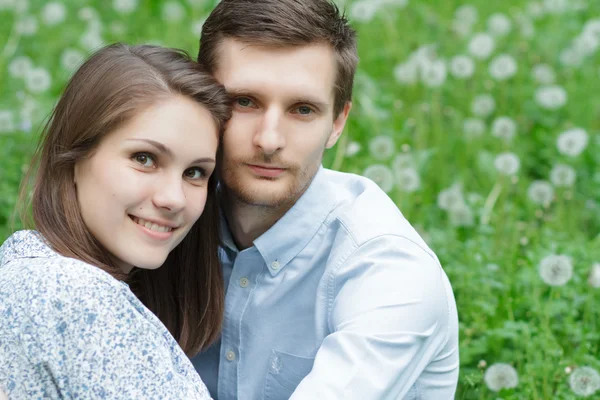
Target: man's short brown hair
x,y
284,23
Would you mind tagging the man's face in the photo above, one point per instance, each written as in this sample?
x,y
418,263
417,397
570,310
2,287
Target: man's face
x,y
282,119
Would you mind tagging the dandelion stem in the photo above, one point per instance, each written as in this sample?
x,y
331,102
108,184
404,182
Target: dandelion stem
x,y
490,202
11,44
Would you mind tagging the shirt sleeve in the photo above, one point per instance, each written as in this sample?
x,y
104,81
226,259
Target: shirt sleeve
x,y
82,335
391,320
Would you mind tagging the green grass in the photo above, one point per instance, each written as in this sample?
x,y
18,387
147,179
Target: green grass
x,y
507,313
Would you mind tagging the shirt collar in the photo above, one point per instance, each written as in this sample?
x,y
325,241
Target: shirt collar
x,y
288,236
24,244
284,240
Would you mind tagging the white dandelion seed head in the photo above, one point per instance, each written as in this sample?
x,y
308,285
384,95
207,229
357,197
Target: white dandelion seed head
x,y
21,6
403,161
483,105
7,4
466,14
424,55
504,128
594,279
586,44
572,142
571,57
592,27
364,11
551,97
125,6
507,163
584,381
368,107
462,67
19,66
408,179
461,29
473,127
556,270
407,73
71,59
493,267
381,175
502,67
382,147
91,40
7,121
451,198
54,13
197,26
173,11
434,73
540,192
117,28
556,6
27,25
197,3
526,28
481,46
38,80
499,24
563,175
543,73
461,215
352,149
500,376
87,14
535,9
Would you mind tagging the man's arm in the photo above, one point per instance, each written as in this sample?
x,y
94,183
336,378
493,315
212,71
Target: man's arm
x,y
391,320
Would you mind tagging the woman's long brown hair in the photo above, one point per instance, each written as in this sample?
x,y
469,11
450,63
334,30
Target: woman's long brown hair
x,y
187,292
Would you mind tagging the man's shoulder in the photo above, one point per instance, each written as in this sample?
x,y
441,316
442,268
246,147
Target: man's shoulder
x,y
364,212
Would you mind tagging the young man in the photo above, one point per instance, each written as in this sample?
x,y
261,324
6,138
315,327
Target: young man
x,y
331,294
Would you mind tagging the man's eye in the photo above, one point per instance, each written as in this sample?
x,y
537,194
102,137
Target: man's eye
x,y
244,102
144,159
194,173
304,110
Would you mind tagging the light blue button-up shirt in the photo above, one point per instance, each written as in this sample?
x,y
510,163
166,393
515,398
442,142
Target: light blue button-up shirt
x,y
340,299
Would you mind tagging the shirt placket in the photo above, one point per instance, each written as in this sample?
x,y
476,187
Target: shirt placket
x,y
245,268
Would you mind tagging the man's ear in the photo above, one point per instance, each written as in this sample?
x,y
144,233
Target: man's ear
x,y
338,125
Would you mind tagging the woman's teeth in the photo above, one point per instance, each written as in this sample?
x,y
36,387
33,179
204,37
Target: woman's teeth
x,y
151,225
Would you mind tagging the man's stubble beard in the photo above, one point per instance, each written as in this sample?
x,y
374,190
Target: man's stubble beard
x,y
297,181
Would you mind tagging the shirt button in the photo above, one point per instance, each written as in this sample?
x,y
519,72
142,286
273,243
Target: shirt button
x,y
230,355
244,282
275,265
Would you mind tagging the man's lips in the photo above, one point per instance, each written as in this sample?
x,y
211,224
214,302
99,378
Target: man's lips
x,y
270,172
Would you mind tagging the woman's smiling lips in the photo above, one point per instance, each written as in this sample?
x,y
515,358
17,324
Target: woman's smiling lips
x,y
269,172
160,230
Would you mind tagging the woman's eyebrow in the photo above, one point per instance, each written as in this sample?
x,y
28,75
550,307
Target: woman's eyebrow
x,y
164,149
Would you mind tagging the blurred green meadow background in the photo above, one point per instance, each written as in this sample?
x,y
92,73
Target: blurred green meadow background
x,y
480,118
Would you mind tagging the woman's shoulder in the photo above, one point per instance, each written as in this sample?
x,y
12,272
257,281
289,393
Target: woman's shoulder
x,y
32,273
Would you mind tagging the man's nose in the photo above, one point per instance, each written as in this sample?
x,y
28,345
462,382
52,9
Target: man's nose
x,y
269,136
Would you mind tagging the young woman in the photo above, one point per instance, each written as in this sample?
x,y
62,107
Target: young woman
x,y
122,185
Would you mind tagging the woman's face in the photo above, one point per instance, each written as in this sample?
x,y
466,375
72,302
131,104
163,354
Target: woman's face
x,y
146,183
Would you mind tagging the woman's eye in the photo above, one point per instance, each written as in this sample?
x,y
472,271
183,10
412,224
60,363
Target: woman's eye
x,y
244,102
194,173
144,159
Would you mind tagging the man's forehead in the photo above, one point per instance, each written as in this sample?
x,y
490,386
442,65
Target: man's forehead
x,y
297,70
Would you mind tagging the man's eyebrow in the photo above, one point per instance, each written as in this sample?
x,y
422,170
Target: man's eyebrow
x,y
164,149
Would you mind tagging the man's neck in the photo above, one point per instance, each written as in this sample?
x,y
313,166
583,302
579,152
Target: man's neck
x,y
247,222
